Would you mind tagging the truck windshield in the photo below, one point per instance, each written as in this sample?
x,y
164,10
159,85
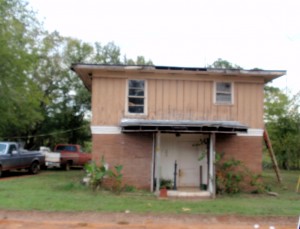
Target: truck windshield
x,y
66,148
2,148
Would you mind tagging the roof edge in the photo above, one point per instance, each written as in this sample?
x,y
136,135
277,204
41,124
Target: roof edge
x,y
85,71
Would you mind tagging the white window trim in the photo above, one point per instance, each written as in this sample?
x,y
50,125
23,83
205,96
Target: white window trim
x,y
215,93
145,99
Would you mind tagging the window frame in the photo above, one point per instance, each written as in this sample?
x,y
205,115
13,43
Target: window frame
x,y
127,98
231,102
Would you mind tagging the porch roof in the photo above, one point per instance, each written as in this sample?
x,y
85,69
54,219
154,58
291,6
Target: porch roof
x,y
180,126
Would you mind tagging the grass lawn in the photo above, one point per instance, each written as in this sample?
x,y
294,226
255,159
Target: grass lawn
x,y
62,191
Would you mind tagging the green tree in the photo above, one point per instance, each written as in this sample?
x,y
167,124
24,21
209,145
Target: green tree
x,y
63,103
282,120
19,104
223,64
42,101
107,54
140,60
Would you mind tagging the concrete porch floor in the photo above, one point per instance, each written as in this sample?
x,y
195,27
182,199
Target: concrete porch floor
x,y
188,193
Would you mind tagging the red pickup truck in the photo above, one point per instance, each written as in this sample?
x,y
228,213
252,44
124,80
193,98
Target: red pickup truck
x,y
72,155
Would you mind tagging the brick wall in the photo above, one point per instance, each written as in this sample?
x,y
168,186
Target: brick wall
x,y
246,149
133,151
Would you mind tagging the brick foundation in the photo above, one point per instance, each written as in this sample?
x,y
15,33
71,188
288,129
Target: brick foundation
x,y
133,151
246,149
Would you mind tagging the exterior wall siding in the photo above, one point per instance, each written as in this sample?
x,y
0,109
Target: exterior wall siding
x,y
178,99
108,101
133,151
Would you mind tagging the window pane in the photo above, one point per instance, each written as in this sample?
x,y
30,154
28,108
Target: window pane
x,y
136,109
136,92
136,83
135,101
2,148
224,87
223,98
136,96
224,92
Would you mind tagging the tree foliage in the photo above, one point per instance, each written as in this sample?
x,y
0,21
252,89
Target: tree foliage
x,y
223,64
42,101
140,60
282,120
19,104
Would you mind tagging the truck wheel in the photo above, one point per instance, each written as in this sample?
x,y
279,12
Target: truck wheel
x,y
34,168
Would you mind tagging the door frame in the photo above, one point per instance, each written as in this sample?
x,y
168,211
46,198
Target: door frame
x,y
156,174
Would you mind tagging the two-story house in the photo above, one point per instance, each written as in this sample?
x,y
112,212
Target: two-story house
x,y
164,122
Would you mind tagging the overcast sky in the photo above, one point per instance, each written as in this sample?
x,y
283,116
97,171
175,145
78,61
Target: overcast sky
x,y
189,33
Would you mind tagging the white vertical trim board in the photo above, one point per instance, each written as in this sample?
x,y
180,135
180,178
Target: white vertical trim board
x,y
106,129
157,162
152,163
212,175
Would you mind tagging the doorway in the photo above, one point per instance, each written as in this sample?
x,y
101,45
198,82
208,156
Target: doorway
x,y
189,152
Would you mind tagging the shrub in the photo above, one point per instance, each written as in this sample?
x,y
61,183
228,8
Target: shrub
x,y
256,182
96,173
228,176
166,183
117,178
232,176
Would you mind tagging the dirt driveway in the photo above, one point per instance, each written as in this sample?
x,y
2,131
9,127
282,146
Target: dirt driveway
x,y
86,220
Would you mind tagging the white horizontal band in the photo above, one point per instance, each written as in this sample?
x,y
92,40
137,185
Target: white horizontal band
x,y
117,130
105,129
252,133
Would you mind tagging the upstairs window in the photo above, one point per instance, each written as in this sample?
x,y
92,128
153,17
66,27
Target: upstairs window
x,y
136,97
223,93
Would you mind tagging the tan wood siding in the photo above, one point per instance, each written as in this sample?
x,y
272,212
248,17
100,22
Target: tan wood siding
x,y
151,98
207,100
108,102
158,100
178,99
250,104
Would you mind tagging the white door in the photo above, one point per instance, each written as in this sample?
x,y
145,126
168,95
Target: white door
x,y
188,165
186,151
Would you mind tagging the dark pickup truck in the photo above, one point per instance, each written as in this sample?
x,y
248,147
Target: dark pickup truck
x,y
12,157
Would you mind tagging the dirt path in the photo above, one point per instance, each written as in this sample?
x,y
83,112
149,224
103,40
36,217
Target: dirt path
x,y
85,220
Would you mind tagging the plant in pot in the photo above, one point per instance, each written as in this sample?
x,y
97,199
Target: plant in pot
x,y
165,185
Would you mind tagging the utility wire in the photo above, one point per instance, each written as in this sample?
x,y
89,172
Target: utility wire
x,y
44,135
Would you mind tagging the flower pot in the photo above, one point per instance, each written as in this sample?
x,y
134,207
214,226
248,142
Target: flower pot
x,y
163,193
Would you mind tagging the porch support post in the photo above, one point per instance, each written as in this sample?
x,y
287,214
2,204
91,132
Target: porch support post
x,y
157,162
212,175
153,163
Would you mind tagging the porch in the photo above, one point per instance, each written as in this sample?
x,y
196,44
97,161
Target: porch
x,y
187,193
183,153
